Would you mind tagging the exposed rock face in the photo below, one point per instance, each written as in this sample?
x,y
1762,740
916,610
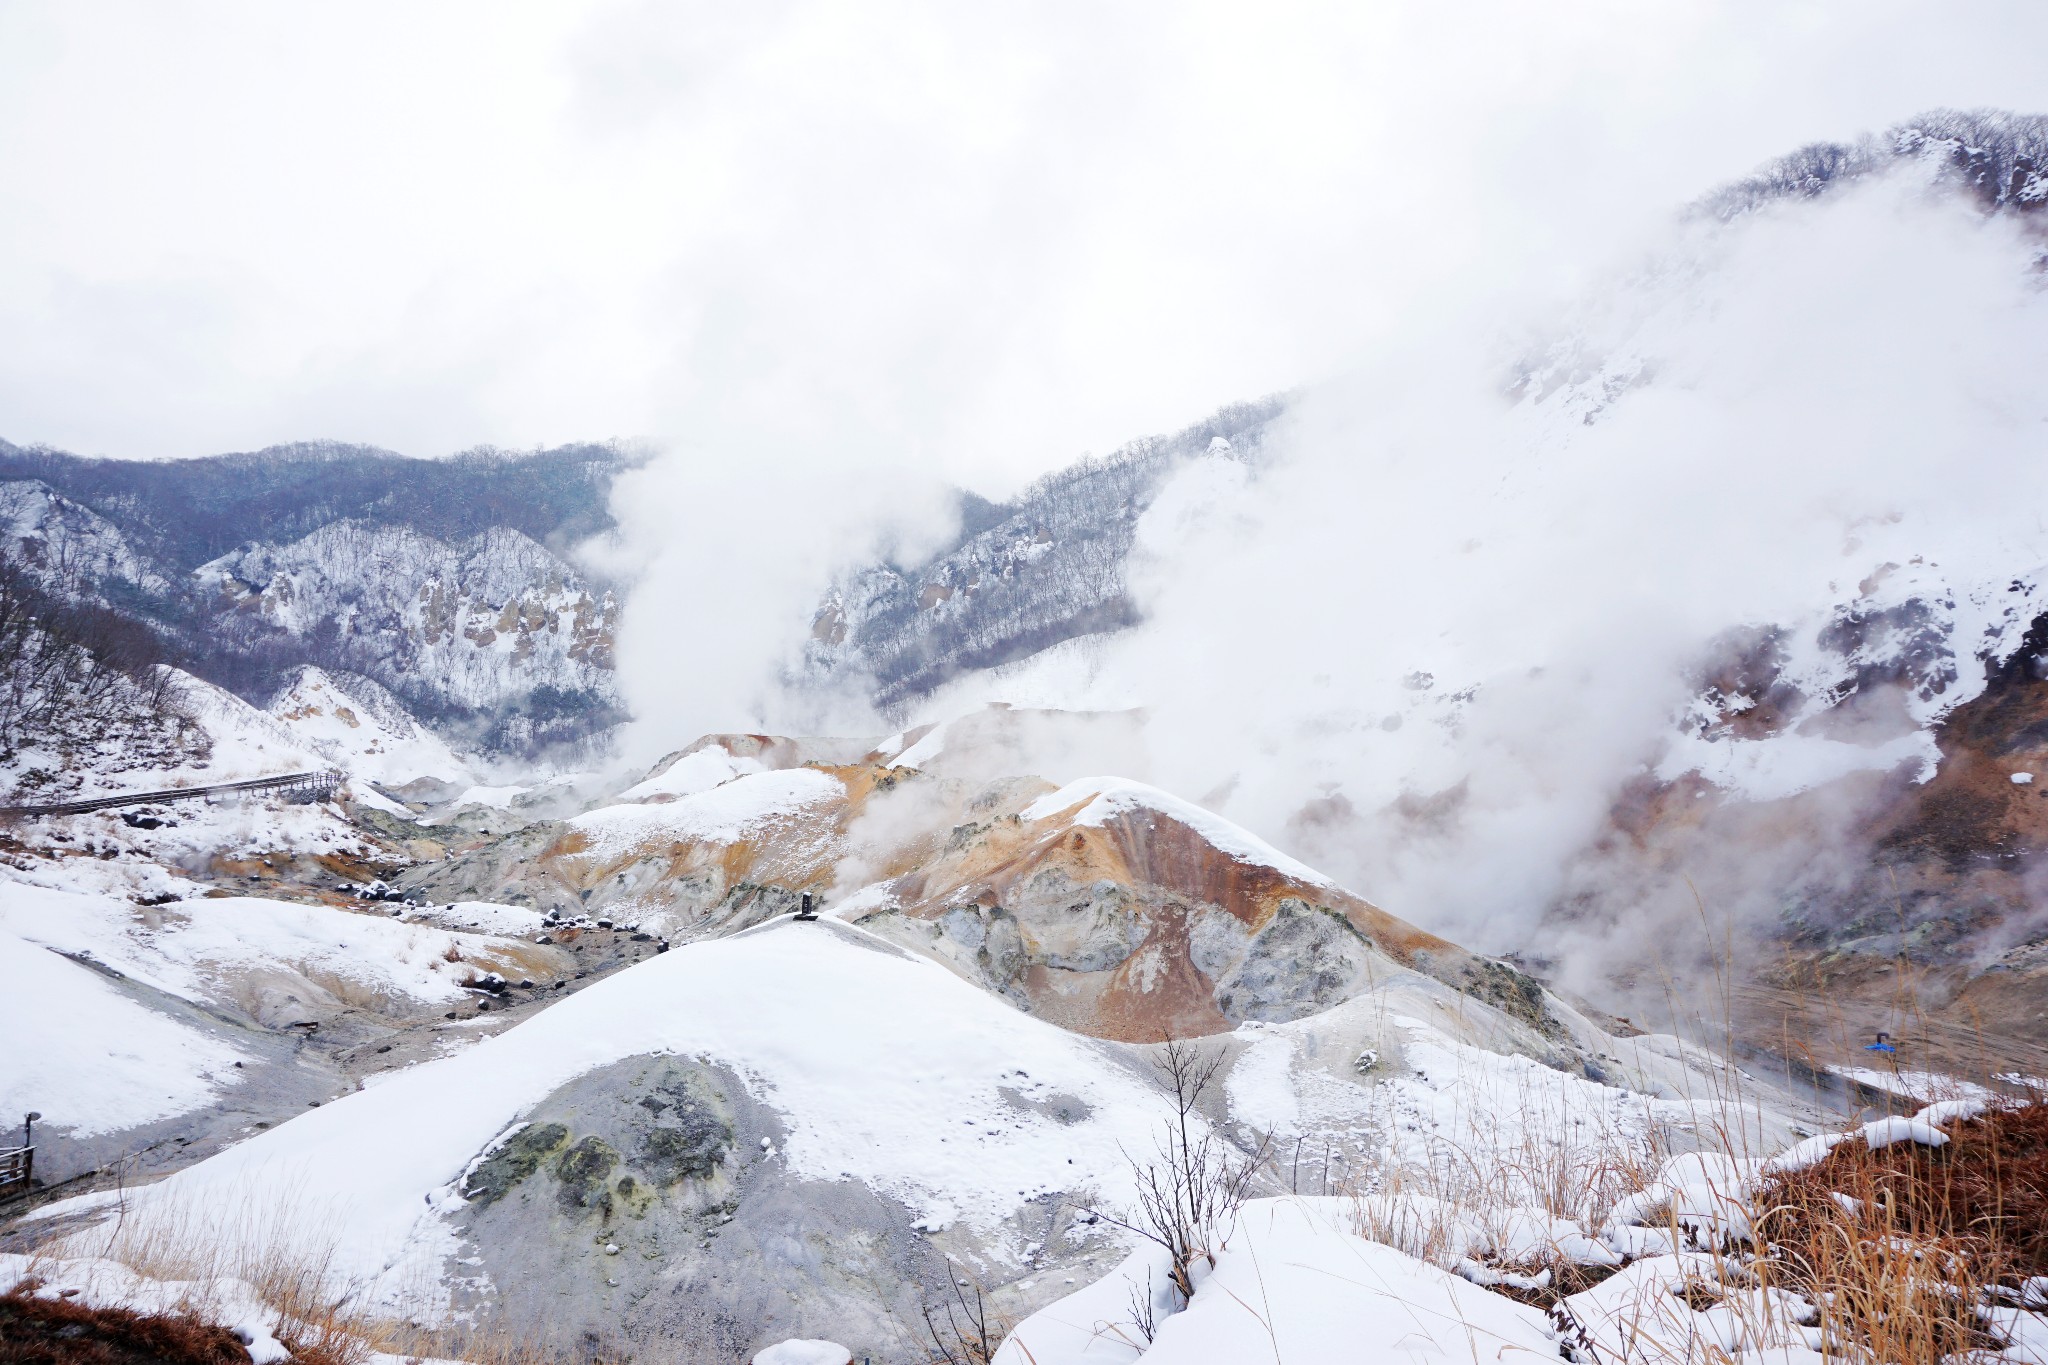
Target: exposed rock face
x,y
673,867
482,622
1120,912
428,577
1136,925
1934,861
639,1206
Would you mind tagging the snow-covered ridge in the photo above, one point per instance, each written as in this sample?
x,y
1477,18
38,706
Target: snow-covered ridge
x,y
1999,157
1025,575
67,544
428,576
1102,799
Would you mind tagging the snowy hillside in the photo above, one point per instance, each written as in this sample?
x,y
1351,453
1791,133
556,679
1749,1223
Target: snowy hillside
x,y
358,727
1025,576
486,622
428,577
639,1144
641,1102
70,545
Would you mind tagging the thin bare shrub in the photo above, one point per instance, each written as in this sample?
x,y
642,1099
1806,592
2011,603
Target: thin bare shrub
x,y
1190,1191
963,1327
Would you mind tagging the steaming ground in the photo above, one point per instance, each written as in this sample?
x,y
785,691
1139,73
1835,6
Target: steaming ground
x,y
1473,593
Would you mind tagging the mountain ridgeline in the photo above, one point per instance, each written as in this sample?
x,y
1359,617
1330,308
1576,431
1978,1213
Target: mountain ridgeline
x,y
445,581
1023,576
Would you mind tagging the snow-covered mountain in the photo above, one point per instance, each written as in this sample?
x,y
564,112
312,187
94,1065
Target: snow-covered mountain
x,y
473,627
434,579
1578,656
1051,565
1726,586
1025,575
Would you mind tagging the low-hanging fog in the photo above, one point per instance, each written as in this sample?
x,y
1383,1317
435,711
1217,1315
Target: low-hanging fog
x,y
1815,392
824,262
1798,399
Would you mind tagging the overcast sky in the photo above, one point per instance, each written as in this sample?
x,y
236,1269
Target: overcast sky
x,y
973,240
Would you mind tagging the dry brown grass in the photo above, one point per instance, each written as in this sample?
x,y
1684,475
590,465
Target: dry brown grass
x,y
290,1270
1897,1247
56,1331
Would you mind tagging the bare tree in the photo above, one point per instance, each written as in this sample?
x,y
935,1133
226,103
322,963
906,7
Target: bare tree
x,y
62,653
1189,1194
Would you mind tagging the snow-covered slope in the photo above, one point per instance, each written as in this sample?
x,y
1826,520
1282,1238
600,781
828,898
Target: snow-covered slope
x,y
68,544
203,736
114,1064
360,728
476,624
786,1104
157,1021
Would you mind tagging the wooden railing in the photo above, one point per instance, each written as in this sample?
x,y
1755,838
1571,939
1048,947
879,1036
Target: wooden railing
x,y
316,786
17,1167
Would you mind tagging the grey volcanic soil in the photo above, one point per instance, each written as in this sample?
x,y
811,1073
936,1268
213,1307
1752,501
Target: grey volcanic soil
x,y
638,1212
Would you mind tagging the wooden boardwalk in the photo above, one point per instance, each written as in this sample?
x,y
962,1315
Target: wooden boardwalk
x,y
313,786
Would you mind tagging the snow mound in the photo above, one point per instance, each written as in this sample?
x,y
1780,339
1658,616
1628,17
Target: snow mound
x,y
691,774
801,1351
887,1069
1294,1282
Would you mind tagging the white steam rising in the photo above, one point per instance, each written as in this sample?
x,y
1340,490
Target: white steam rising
x,y
917,245
1780,408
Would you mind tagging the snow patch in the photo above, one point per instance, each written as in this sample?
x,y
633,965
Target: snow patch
x,y
725,814
708,767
